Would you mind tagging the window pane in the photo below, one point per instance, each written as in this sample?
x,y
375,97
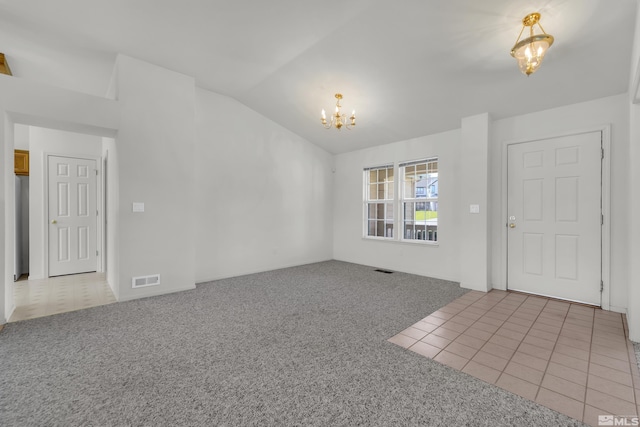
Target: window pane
x,y
372,211
373,176
373,192
433,167
408,189
371,229
388,230
409,211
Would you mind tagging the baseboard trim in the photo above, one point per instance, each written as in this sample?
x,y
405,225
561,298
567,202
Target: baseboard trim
x,y
616,309
408,271
9,314
156,293
246,273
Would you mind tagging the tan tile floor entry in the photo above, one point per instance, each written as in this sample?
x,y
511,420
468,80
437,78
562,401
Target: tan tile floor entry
x,y
44,297
572,358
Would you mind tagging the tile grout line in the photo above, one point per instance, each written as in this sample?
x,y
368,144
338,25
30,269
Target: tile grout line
x,y
586,387
631,352
494,334
544,373
516,349
439,326
476,321
539,386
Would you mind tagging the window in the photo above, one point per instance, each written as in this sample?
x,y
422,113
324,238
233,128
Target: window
x,y
379,201
419,199
415,207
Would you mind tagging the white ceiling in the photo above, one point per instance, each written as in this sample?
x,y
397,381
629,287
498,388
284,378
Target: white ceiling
x,y
408,67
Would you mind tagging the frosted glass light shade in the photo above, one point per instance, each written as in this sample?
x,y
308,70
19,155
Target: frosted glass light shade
x,y
530,52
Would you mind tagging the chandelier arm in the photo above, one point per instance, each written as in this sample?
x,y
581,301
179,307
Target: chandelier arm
x,y
543,31
520,35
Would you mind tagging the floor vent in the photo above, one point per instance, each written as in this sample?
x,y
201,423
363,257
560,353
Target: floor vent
x,y
379,270
142,281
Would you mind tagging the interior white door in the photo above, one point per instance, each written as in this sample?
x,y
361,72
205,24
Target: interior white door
x,y
72,215
554,217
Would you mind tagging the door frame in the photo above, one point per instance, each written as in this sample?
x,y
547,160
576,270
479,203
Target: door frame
x,y
100,240
606,206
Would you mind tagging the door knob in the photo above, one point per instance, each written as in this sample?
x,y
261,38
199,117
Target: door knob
x,y
512,225
53,221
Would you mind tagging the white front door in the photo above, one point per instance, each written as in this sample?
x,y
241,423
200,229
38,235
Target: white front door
x,y
72,215
554,217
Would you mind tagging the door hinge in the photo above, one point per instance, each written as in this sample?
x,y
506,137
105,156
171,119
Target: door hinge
x,y
601,219
96,253
601,286
96,172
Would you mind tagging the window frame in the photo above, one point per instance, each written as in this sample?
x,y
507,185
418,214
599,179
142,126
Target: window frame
x,y
404,199
367,201
397,202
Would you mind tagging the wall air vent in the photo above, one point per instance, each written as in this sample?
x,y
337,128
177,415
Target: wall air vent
x,y
142,281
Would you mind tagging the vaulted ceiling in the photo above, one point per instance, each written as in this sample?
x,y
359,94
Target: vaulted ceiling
x,y
408,67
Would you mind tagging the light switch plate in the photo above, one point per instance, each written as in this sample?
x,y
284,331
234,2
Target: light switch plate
x,y
138,207
474,209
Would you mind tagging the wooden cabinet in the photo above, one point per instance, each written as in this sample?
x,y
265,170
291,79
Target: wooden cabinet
x,y
21,162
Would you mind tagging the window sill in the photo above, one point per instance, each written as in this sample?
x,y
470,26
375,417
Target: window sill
x,y
403,242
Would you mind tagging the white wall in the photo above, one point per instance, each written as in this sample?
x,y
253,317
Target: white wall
x,y
473,171
558,121
21,137
633,316
7,212
264,194
440,261
44,141
156,157
111,210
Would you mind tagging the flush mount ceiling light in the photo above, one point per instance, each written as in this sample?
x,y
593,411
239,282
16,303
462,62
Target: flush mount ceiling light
x,y
338,120
530,52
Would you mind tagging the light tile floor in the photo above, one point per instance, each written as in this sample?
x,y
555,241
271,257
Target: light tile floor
x,y
572,358
38,298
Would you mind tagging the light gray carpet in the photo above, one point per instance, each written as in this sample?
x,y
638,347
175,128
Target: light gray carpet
x,y
300,346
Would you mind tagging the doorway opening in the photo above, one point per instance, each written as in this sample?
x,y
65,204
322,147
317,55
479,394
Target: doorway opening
x,y
64,214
